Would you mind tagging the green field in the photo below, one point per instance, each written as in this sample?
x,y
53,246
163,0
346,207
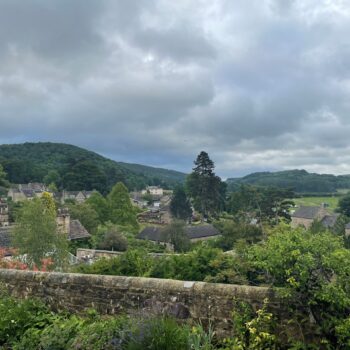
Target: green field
x,y
316,201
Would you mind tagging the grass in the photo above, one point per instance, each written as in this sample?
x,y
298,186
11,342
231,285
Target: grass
x,y
317,201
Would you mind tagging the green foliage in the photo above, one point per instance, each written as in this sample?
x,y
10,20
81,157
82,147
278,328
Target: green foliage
x,y
77,168
29,325
204,187
199,339
159,334
113,240
176,235
251,331
344,205
3,175
313,269
111,333
232,231
148,197
121,210
180,205
265,203
86,214
131,263
53,177
299,180
83,174
100,205
16,316
36,235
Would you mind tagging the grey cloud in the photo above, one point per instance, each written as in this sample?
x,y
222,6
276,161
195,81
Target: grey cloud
x,y
259,85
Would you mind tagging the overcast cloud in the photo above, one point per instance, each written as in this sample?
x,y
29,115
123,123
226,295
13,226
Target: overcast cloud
x,y
259,85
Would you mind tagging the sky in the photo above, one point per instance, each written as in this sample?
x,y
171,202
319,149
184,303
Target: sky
x,y
259,85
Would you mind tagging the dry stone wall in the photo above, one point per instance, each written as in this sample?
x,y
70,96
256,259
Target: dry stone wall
x,y
197,301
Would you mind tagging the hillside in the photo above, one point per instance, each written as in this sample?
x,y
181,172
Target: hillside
x,y
299,180
73,168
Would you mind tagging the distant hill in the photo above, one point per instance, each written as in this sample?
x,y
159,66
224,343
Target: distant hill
x,y
75,168
299,180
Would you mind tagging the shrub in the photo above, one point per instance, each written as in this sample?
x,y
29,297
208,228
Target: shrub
x,y
159,334
16,316
111,333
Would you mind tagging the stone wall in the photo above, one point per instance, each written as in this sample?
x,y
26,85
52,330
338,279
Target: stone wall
x,y
197,301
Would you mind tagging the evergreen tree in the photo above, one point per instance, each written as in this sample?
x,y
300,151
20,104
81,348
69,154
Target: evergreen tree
x,y
100,205
180,205
121,210
344,205
3,181
205,187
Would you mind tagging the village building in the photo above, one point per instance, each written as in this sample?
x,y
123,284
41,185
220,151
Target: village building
x,y
4,214
72,228
77,196
26,191
194,233
305,216
153,190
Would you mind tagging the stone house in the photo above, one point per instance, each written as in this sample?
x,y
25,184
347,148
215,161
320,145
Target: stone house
x,y
304,216
153,190
78,196
26,191
194,233
73,228
4,215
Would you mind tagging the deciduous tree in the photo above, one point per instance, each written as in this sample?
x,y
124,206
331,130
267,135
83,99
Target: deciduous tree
x,y
176,235
36,234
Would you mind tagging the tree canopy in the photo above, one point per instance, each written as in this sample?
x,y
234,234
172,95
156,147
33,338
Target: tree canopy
x,y
122,211
204,187
36,234
180,205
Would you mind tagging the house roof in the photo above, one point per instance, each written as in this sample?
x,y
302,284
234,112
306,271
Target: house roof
x,y
77,230
201,231
306,212
151,233
28,193
154,233
329,220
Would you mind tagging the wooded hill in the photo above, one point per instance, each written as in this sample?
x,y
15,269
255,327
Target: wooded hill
x,y
74,168
299,180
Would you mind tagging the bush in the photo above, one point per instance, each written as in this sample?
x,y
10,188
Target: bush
x,y
16,316
114,240
159,334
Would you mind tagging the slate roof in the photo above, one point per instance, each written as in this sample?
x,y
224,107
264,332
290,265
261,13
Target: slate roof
x,y
329,220
347,226
306,212
201,231
77,230
5,237
154,233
